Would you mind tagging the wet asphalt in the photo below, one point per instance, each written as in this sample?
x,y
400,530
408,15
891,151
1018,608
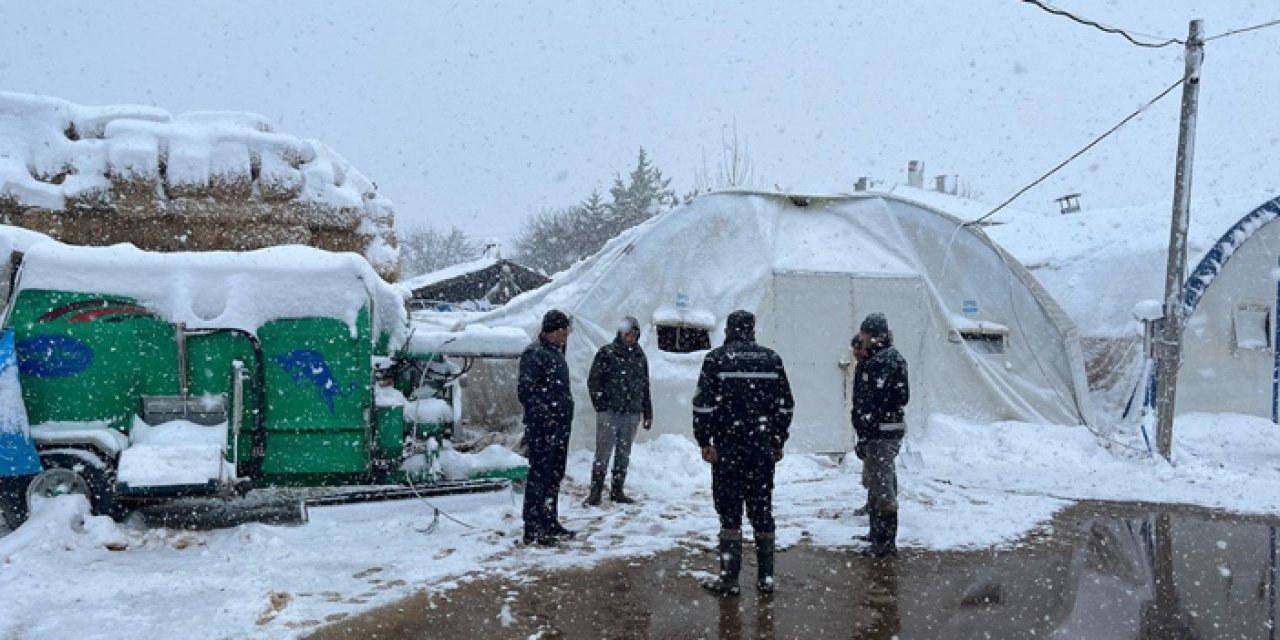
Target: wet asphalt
x,y
1102,570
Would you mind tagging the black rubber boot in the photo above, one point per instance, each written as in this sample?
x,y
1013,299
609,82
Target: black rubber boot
x,y
597,488
884,535
730,565
615,491
764,562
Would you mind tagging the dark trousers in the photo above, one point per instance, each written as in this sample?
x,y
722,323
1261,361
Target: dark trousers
x,y
547,447
741,479
880,474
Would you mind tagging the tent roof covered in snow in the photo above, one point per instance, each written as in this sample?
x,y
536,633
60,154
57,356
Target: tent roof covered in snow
x,y
1099,263
983,340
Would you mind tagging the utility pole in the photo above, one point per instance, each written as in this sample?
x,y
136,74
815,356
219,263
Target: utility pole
x,y
1170,342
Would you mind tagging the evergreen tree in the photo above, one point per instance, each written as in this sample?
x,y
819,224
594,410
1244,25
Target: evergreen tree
x,y
644,195
553,239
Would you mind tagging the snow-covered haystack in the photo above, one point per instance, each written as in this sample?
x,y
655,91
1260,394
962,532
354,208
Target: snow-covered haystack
x,y
199,181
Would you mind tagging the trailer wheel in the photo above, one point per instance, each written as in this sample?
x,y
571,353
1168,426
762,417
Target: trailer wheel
x,y
70,473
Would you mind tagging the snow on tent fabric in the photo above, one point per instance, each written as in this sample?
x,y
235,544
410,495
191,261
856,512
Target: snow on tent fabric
x,y
811,268
1107,268
1230,302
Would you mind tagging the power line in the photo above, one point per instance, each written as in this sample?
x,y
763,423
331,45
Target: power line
x,y
1080,152
1244,30
1127,35
1102,27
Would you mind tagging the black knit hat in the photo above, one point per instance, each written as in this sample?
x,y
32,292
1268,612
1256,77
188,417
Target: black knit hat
x,y
876,325
555,319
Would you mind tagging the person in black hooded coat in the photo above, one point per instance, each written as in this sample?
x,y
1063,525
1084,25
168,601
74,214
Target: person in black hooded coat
x,y
880,395
741,420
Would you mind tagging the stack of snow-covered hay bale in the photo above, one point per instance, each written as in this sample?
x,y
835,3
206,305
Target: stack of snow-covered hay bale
x,y
199,181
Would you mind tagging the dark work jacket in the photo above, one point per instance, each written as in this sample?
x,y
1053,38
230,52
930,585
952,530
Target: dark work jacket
x,y
544,390
619,380
880,393
744,399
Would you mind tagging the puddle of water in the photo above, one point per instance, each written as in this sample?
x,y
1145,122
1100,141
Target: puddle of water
x,y
1104,571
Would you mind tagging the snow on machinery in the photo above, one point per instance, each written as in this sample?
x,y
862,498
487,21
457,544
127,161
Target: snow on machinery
x,y
148,378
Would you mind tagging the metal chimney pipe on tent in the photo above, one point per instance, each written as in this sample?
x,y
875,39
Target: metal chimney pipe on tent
x,y
915,174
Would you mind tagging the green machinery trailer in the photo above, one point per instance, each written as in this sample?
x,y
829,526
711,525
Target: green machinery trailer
x,y
151,377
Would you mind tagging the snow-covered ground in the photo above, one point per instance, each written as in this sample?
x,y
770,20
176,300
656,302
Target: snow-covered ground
x,y
67,574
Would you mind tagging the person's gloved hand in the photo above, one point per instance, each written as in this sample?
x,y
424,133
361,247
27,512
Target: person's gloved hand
x,y
860,450
777,454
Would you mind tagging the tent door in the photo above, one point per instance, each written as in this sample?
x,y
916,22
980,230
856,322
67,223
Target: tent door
x,y
815,316
812,325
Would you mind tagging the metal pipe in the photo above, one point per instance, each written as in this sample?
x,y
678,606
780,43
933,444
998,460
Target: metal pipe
x,y
237,407
184,385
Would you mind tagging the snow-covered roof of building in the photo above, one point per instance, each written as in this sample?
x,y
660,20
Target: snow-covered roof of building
x,y
447,273
60,156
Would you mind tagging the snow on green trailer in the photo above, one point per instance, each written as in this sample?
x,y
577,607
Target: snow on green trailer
x,y
162,375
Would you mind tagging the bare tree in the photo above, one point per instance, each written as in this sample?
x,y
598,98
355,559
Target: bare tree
x,y
734,168
427,249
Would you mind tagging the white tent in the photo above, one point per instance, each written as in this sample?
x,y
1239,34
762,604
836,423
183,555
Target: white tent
x,y
981,337
1230,301
1100,264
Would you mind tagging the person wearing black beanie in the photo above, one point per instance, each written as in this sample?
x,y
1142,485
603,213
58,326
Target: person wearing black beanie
x,y
544,392
880,395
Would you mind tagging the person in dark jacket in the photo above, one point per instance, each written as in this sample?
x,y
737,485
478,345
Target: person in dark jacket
x,y
880,395
619,386
859,357
544,393
741,417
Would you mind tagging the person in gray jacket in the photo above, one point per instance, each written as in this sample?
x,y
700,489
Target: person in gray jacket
x,y
619,386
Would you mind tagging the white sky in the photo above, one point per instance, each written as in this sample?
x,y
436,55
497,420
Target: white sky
x,y
478,113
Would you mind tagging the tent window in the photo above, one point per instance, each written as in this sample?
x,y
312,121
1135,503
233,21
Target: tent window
x,y
984,340
1253,327
679,338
